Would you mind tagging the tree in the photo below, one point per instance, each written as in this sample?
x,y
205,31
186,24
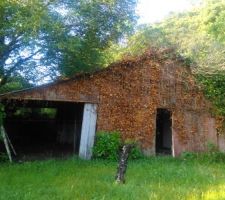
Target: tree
x,y
199,36
196,35
214,15
40,40
23,40
92,27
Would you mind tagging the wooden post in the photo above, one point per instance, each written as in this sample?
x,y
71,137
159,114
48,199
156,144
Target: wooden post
x,y
6,143
10,143
122,166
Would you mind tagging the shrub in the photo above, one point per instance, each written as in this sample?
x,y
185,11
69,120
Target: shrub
x,y
188,155
136,153
108,146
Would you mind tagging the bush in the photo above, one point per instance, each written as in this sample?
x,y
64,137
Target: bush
x,y
136,153
188,155
108,146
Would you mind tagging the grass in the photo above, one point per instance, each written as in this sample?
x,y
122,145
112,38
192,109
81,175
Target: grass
x,y
154,178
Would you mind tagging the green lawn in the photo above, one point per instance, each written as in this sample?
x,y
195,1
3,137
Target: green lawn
x,y
153,178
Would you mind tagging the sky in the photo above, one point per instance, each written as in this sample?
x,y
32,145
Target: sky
x,y
151,11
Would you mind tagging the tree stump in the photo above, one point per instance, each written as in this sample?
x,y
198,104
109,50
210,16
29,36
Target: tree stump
x,y
122,165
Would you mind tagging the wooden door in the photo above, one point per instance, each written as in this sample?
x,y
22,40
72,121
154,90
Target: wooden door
x,y
88,131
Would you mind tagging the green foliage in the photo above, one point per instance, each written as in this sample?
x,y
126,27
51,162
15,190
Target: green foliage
x,y
188,155
14,83
40,40
214,87
213,155
93,27
147,37
196,35
34,113
107,145
136,153
23,26
192,34
209,157
214,15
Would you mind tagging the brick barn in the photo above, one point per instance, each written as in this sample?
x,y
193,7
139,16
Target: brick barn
x,y
152,99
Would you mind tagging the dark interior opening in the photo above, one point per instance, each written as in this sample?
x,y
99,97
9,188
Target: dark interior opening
x,y
39,131
163,132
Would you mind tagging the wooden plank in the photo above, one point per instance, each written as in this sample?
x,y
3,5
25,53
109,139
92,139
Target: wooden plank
x,y
10,143
6,143
88,131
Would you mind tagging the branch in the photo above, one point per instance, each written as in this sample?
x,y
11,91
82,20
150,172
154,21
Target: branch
x,y
20,62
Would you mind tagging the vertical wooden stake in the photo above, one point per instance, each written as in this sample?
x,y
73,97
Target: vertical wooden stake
x,y
6,143
10,143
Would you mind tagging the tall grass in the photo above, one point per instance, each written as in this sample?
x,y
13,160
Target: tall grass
x,y
154,178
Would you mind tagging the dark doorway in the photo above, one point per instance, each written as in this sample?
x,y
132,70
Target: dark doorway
x,y
45,130
163,132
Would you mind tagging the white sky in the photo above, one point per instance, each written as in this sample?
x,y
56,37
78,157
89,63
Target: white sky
x,y
151,11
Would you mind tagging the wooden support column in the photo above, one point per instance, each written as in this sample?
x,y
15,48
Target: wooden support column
x,y
88,131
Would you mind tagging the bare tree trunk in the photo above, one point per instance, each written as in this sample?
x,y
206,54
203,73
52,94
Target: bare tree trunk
x,y
122,166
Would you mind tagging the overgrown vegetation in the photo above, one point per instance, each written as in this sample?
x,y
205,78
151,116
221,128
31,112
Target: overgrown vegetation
x,y
214,90
163,178
108,146
212,155
198,36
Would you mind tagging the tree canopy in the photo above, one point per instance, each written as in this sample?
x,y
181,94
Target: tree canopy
x,y
40,40
199,37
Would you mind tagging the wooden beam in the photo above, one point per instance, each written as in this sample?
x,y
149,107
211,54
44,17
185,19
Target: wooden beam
x,y
6,143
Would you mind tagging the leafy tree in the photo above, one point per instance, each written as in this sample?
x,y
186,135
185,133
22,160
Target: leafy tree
x,y
23,46
197,35
40,40
92,27
193,34
214,15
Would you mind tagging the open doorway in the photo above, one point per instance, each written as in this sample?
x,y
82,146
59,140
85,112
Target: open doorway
x,y
45,130
163,132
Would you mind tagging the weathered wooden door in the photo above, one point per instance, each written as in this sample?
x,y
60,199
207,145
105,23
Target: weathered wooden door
x,y
88,131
